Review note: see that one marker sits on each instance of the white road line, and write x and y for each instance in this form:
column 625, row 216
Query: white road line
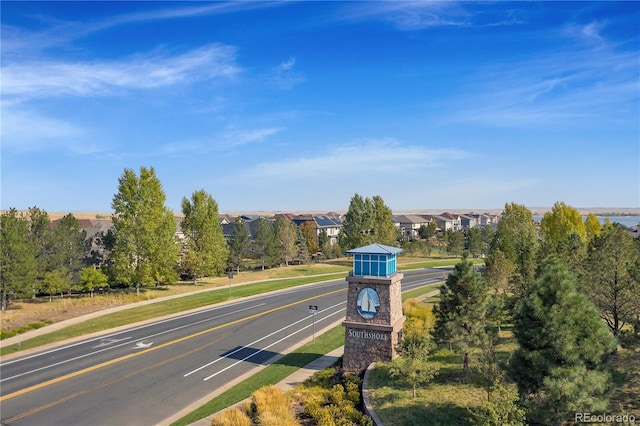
column 122, row 344
column 267, row 347
column 259, row 340
column 129, row 330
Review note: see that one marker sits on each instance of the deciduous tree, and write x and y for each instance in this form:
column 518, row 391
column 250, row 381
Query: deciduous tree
column 516, row 237
column 92, row 279
column 206, row 251
column 145, row 251
column 358, row 223
column 286, row 236
column 308, row 229
column 561, row 222
column 592, row 226
column 384, row 231
column 413, row 365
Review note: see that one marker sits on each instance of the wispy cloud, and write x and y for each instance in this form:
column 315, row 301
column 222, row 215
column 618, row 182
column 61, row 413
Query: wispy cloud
column 555, row 88
column 229, row 140
column 25, row 131
column 20, row 42
column 48, row 78
column 420, row 15
column 357, row 160
column 284, row 75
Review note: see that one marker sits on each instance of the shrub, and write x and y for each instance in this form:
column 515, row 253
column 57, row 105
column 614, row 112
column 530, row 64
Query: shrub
column 232, row 417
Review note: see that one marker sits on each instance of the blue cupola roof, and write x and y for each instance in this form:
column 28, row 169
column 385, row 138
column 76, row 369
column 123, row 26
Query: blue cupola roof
column 375, row 260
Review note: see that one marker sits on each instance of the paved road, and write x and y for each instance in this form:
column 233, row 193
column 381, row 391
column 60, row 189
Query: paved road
column 146, row 373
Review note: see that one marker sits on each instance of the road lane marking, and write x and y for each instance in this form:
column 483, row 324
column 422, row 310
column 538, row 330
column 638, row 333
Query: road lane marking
column 155, row 348
column 45, row 367
column 129, row 330
column 255, row 341
column 266, row 347
column 102, row 385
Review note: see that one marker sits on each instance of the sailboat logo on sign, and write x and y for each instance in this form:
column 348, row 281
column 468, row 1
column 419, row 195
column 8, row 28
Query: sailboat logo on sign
column 368, row 303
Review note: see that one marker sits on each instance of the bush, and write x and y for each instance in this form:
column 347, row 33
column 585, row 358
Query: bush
column 232, row 417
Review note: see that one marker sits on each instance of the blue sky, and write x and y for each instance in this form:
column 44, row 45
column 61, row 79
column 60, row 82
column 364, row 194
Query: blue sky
column 272, row 106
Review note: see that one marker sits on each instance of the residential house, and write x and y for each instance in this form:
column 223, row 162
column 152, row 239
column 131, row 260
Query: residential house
column 410, row 225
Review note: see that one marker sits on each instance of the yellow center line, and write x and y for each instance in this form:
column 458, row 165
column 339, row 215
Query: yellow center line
column 145, row 351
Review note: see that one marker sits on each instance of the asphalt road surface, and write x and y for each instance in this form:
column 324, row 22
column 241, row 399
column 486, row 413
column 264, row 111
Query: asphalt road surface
column 145, row 374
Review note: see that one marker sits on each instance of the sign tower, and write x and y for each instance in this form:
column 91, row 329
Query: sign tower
column 374, row 319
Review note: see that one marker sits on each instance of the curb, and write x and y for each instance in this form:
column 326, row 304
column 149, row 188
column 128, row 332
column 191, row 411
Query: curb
column 366, row 402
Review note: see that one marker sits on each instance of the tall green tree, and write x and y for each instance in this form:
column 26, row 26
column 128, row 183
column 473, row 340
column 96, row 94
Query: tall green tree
column 238, row 244
column 302, row 251
column 286, row 236
column 206, row 250
column 454, row 242
column 56, row 281
column 592, row 226
column 69, row 247
column 265, row 242
column 40, row 230
column 384, row 231
column 517, row 239
column 461, row 313
column 17, row 257
column 428, row 231
column 559, row 366
column 358, row 224
column 92, row 279
column 308, row 229
column 561, row 222
column 145, row 251
column 609, row 279
column 473, row 242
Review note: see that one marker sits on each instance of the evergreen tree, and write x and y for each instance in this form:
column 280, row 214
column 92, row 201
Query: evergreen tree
column 40, row 233
column 324, row 243
column 17, row 257
column 265, row 242
column 145, row 250
column 238, row 244
column 205, row 246
column 68, row 248
column 461, row 313
column 609, row 278
column 558, row 366
column 302, row 251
